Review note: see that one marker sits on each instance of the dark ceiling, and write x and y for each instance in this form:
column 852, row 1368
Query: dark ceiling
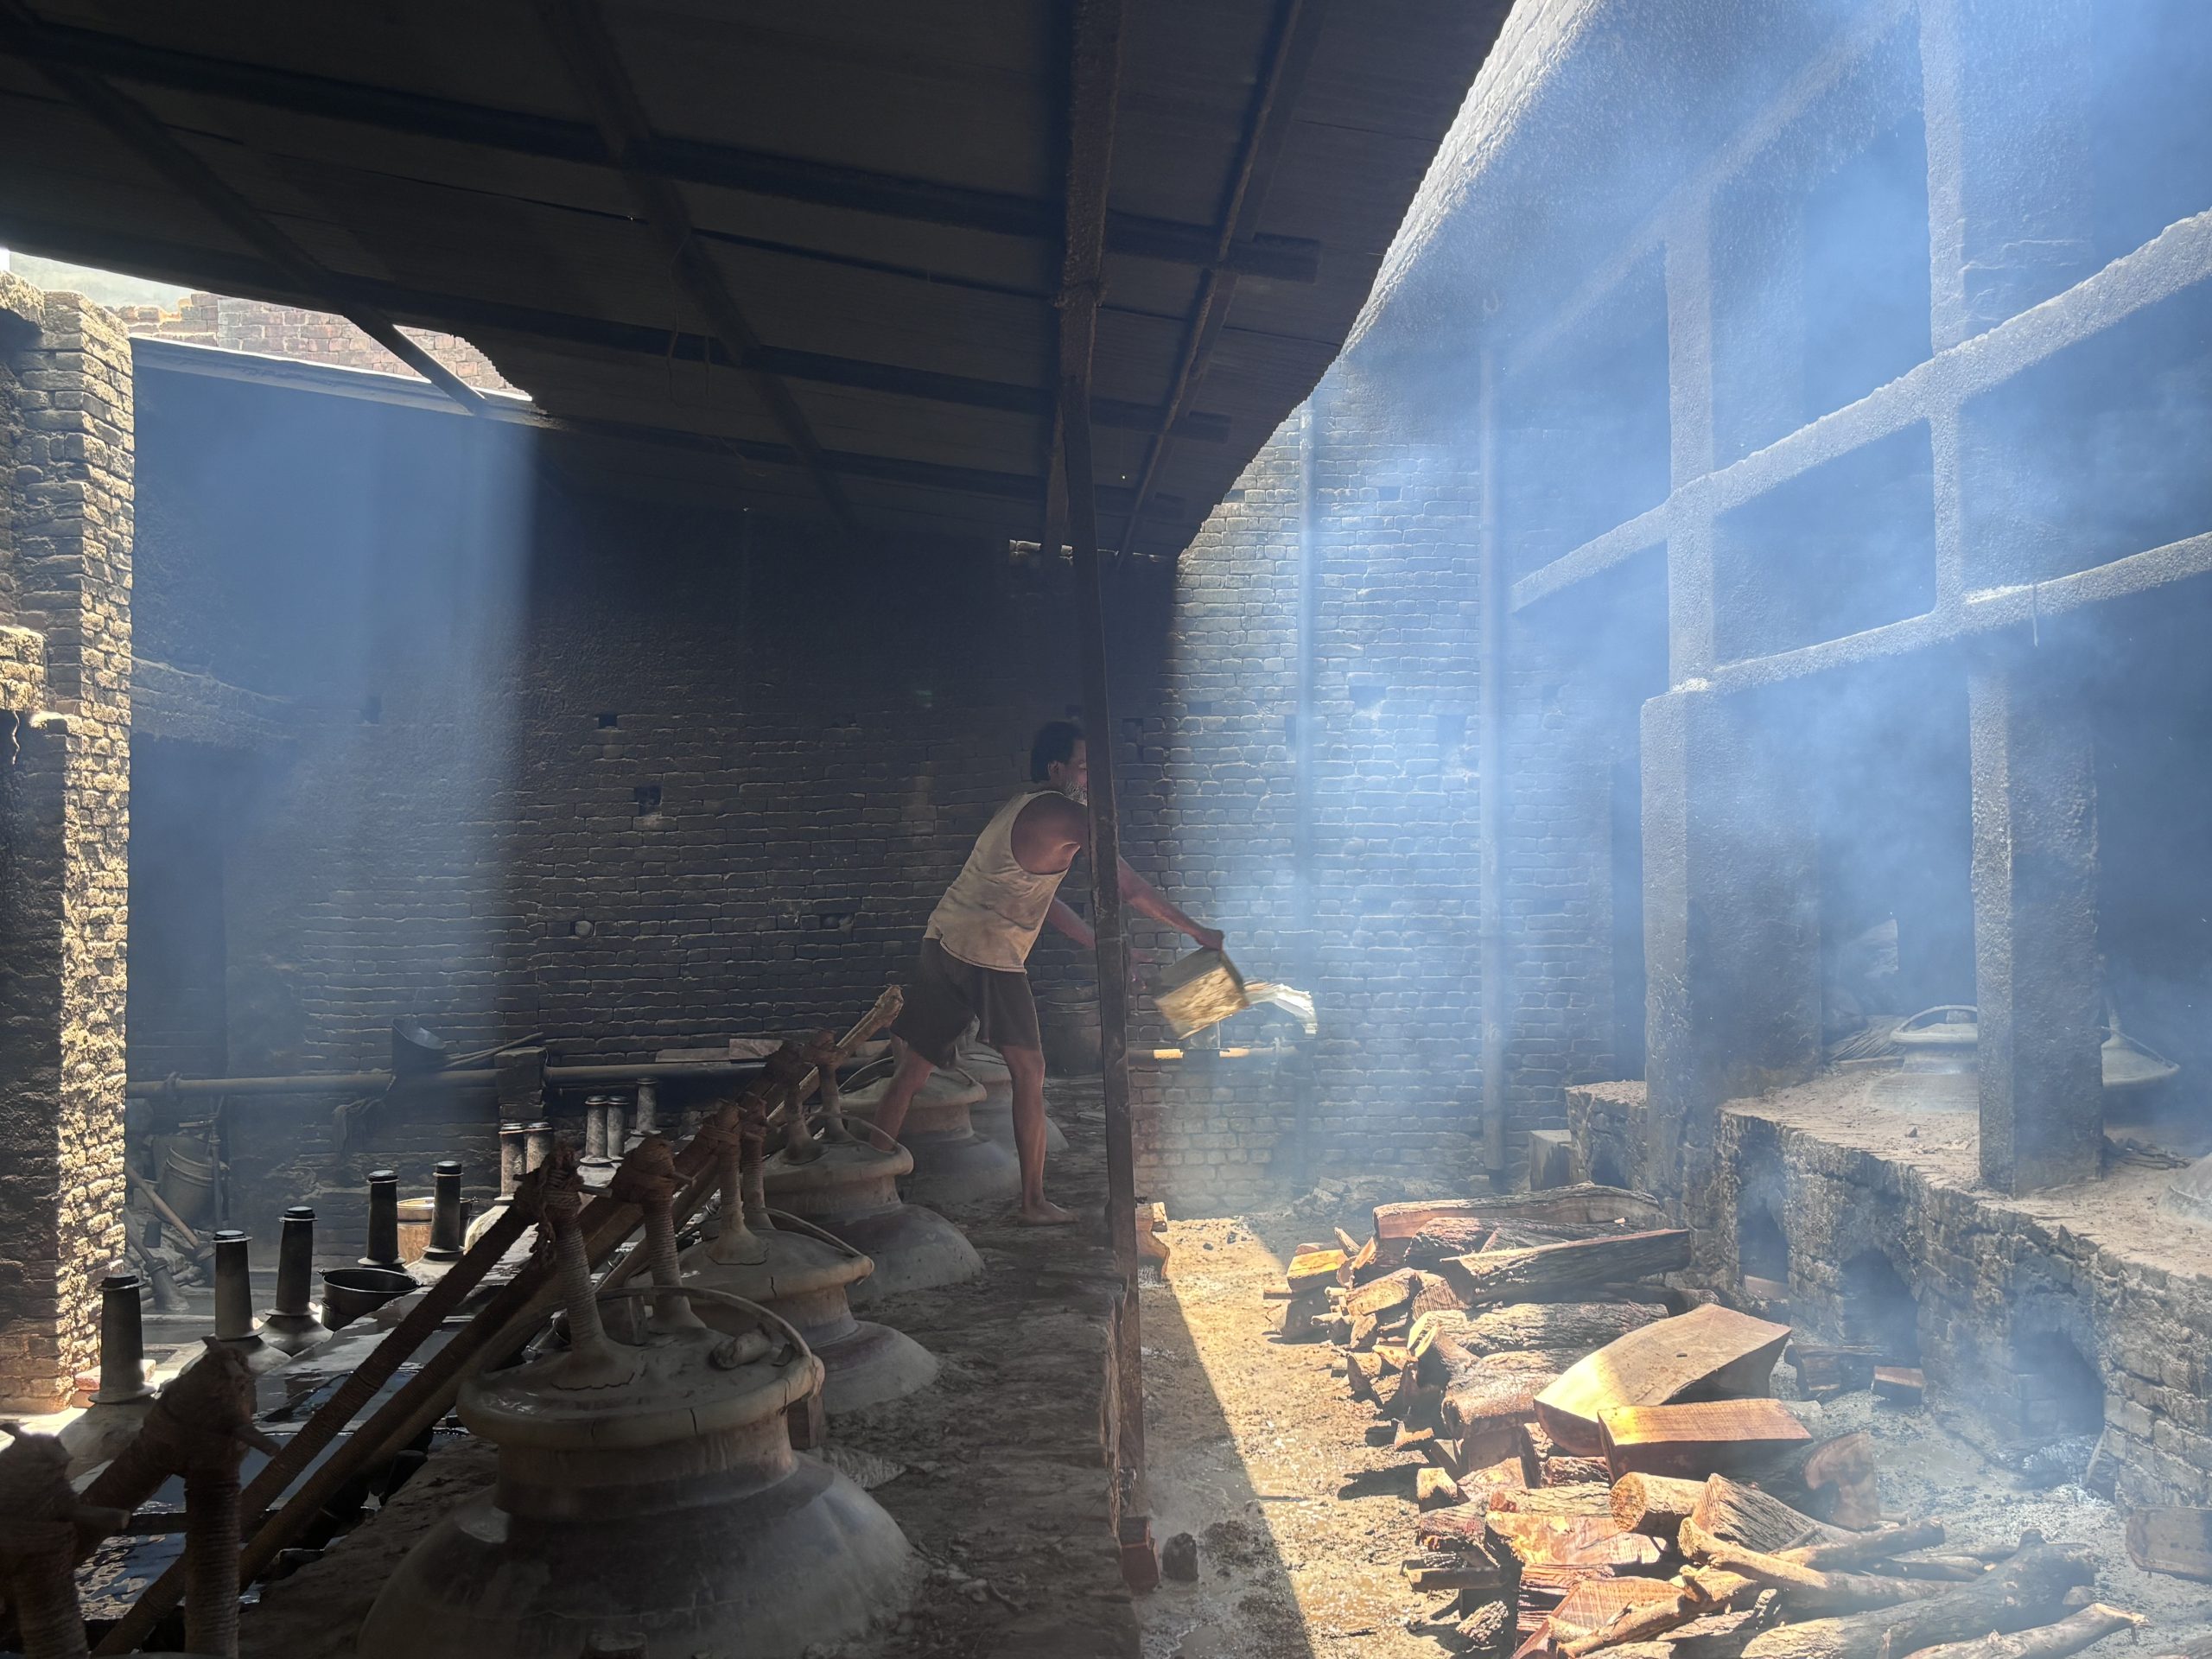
column 799, row 252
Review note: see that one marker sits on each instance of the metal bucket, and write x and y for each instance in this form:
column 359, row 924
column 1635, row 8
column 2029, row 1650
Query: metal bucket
column 415, row 1216
column 187, row 1184
column 1199, row 991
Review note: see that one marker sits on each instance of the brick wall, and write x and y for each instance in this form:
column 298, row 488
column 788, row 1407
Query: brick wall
column 66, row 830
column 633, row 777
column 307, row 336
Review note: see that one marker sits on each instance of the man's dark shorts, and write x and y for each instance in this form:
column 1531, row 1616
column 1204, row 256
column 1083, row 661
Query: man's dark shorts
column 948, row 993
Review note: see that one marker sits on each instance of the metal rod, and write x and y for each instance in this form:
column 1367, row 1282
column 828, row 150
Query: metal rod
column 1094, row 88
column 371, row 1083
column 1490, row 766
column 383, row 1220
column 449, row 1214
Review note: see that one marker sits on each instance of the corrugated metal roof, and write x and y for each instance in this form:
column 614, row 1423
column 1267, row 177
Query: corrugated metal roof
column 875, row 184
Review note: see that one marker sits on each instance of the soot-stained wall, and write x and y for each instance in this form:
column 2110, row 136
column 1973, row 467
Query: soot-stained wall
column 631, row 777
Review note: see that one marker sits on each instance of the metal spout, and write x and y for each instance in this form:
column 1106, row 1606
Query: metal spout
column 384, row 1221
column 291, row 1325
column 448, row 1213
column 122, row 1343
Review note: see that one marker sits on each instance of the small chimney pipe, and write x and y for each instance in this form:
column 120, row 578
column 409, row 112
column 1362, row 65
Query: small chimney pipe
column 122, row 1343
column 448, row 1213
column 384, row 1221
column 233, row 1286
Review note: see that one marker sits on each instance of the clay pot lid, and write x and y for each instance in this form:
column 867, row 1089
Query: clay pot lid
column 1954, row 1026
column 947, row 1087
column 676, row 1393
column 798, row 1264
column 842, row 1163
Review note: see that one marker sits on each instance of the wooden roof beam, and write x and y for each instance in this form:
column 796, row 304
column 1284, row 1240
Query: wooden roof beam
column 681, row 160
column 1266, row 125
column 136, row 128
column 580, row 37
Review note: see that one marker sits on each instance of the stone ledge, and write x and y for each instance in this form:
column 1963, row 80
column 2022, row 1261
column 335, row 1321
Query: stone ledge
column 184, row 706
column 23, row 310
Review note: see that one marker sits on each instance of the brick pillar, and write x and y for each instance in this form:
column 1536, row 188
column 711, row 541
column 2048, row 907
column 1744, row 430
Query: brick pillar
column 1731, row 933
column 65, row 814
column 2035, row 926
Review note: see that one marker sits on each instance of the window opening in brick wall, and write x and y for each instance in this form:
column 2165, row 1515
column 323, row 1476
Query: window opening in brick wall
column 2094, row 453
column 2152, row 160
column 1583, row 435
column 608, row 720
column 648, row 799
column 1820, row 258
column 1879, row 1310
column 1847, row 546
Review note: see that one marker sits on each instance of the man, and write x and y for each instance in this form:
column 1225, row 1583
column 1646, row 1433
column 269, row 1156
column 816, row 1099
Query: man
column 976, row 949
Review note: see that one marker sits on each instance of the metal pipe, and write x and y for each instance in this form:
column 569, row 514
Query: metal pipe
column 122, row 1343
column 233, row 1287
column 474, row 1076
column 538, row 1145
column 595, row 1130
column 514, row 1157
column 1303, row 953
column 448, row 1213
column 384, row 1221
column 1489, row 764
column 296, row 1261
column 646, row 1119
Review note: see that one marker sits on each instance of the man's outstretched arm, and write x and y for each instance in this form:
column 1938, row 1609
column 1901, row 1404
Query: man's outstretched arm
column 1064, row 919
column 1147, row 897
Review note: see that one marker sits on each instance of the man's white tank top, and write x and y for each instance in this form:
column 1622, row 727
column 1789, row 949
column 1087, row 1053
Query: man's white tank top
column 989, row 916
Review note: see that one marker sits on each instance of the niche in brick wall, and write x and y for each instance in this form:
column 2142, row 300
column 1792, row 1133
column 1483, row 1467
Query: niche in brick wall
column 1762, row 1247
column 2057, row 1393
column 648, row 798
column 1879, row 1310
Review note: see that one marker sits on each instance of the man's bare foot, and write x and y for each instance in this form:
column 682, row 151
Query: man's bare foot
column 1043, row 1213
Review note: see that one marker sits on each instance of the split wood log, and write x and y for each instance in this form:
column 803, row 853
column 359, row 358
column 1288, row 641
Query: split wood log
column 1361, row 1267
column 1571, row 1540
column 1471, row 1568
column 1361, row 1373
column 1576, row 1472
column 1395, row 1294
column 1392, row 1356
column 1345, row 1242
column 1601, row 1602
column 1562, row 1272
column 1592, row 1497
column 1572, row 1328
column 1884, row 1545
column 1802, row 1586
column 2023, row 1592
column 1434, row 1489
column 1471, row 1455
column 1735, row 1513
column 1710, row 1353
column 2175, row 1540
column 1643, row 1623
column 1453, row 1526
column 1654, row 1505
column 1696, row 1438
column 1842, row 1470
column 1314, row 1270
column 1485, row 1391
column 1950, row 1569
column 1586, row 1202
column 2070, row 1635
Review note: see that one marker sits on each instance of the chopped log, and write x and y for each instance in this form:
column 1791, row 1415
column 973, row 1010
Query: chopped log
column 2022, row 1593
column 1588, row 1498
column 1362, row 1372
column 1822, row 1370
column 1526, row 1235
column 1346, row 1242
column 1571, row 1540
column 1392, row 1356
column 1446, row 1236
column 1710, row 1353
column 1408, row 1438
column 2070, row 1635
column 1904, row 1385
column 1361, row 1267
column 2171, row 1541
column 1488, row 1629
column 1639, row 1624
column 1560, row 1272
column 1302, row 1317
column 1544, row 1585
column 1765, row 1290
column 1471, row 1568
column 1577, row 1472
column 1558, row 1327
column 1953, row 1569
column 1434, row 1489
column 1473, row 1455
column 1390, row 1293
column 1599, row 1602
column 1845, row 1468
column 1802, row 1586
column 1485, row 1391
column 1364, row 1329
column 1741, row 1515
column 1881, row 1545
column 1655, row 1505
column 1452, row 1526
column 1585, row 1202
column 1314, row 1270
column 1697, row 1439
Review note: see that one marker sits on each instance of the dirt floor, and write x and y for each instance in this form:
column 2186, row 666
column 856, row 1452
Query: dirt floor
column 998, row 1484
column 1255, row 1447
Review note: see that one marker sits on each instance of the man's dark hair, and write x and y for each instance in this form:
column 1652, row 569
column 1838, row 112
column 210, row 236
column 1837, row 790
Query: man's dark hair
column 1054, row 744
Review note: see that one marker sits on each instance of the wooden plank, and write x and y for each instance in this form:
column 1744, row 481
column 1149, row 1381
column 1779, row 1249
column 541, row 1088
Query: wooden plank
column 1572, row 1540
column 1696, row 1440
column 1573, row 1328
column 1560, row 1272
column 1385, row 1296
column 1904, row 1385
column 1314, row 1270
column 1586, row 1202
column 1597, row 1602
column 2174, row 1541
column 1708, row 1353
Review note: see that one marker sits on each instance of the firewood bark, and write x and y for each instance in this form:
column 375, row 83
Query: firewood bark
column 1582, row 1499
column 1576, row 1472
column 1559, row 1272
column 2070, row 1635
column 2024, row 1592
column 1735, row 1513
column 1582, row 1203
column 1877, row 1545
column 1803, row 1586
column 1655, row 1505
column 1570, row 1328
column 1483, row 1391
column 1696, row 1438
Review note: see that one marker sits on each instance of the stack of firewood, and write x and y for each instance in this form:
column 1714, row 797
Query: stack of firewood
column 1603, row 1470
